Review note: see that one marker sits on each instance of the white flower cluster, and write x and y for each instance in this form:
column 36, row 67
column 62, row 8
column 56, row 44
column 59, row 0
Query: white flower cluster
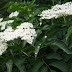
column 3, row 46
column 57, row 11
column 7, row 35
column 2, row 24
column 25, row 31
column 14, row 14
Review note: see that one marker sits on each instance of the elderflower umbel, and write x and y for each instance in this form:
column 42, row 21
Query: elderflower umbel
column 2, row 24
column 14, row 14
column 25, row 31
column 57, row 11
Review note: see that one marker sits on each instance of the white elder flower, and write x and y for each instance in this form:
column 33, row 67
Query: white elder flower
column 45, row 36
column 25, row 25
column 22, row 31
column 14, row 14
column 10, row 21
column 26, row 32
column 8, row 34
column 1, row 19
column 9, row 29
column 57, row 11
column 3, row 46
column 2, row 24
column 3, row 27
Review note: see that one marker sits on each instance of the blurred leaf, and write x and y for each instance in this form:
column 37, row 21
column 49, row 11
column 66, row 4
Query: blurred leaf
column 54, row 56
column 60, row 65
column 32, row 2
column 70, row 67
column 52, row 70
column 60, row 44
column 24, row 43
column 20, row 64
column 9, row 65
column 66, row 57
column 8, row 5
column 37, row 66
column 44, row 69
column 69, row 32
column 38, row 32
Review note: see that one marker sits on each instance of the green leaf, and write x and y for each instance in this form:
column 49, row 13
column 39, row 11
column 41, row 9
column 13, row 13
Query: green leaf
column 54, row 56
column 38, row 32
column 69, row 32
column 20, row 65
column 7, row 5
column 32, row 2
column 24, row 43
column 70, row 65
column 66, row 57
column 44, row 69
column 60, row 65
column 9, row 66
column 61, row 45
column 52, row 70
column 37, row 66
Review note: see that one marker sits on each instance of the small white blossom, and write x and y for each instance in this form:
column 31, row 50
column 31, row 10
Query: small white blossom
column 14, row 14
column 3, row 46
column 1, row 19
column 35, row 53
column 45, row 36
column 40, row 22
column 2, row 24
column 38, row 46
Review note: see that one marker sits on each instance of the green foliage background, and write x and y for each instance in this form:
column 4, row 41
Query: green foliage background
column 51, row 54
